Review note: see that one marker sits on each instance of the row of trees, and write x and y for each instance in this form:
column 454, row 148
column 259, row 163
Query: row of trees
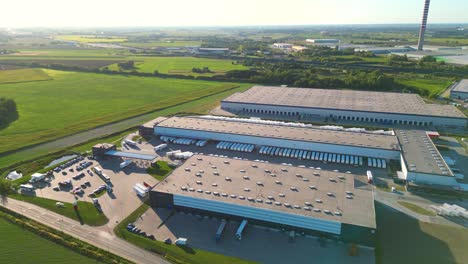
column 8, row 111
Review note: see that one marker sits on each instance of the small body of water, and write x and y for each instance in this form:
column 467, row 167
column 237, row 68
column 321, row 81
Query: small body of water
column 60, row 160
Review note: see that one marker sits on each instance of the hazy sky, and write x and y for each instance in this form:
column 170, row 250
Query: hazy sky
column 94, row 13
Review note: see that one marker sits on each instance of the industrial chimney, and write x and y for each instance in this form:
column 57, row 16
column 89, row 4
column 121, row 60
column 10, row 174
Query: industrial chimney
column 423, row 25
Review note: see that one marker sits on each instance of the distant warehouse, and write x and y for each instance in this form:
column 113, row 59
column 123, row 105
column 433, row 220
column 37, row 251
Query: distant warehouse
column 301, row 199
column 355, row 106
column 460, row 90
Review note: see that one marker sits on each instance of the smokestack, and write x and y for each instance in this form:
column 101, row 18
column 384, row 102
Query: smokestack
column 423, row 25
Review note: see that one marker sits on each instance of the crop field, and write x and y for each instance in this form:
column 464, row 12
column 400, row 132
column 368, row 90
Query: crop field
column 182, row 65
column 402, row 239
column 169, row 43
column 89, row 64
column 92, row 39
column 23, row 75
column 22, row 247
column 73, row 102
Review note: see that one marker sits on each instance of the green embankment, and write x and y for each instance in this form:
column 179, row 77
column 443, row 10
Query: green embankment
column 20, row 246
column 86, row 214
column 402, row 239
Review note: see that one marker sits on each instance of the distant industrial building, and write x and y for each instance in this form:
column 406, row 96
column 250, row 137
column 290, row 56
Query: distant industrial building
column 421, row 162
column 282, row 46
column 216, row 51
column 323, row 41
column 279, row 135
column 294, row 198
column 460, row 90
column 386, row 50
column 347, row 105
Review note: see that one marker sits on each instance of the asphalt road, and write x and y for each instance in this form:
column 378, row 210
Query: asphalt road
column 95, row 236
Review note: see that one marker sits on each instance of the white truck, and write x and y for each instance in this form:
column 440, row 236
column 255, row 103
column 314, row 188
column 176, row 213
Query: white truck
column 240, row 230
column 130, row 142
column 125, row 164
column 36, row 177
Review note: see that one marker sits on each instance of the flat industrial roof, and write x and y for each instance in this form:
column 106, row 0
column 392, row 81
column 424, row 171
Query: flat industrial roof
column 461, row 86
column 325, row 136
column 420, row 153
column 365, row 101
column 358, row 209
column 154, row 122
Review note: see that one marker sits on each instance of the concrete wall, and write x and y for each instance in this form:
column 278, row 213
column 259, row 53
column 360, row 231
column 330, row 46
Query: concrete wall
column 262, row 214
column 355, row 116
column 284, row 143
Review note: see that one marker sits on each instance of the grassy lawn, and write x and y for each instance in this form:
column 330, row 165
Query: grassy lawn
column 159, row 171
column 169, row 43
column 20, row 246
column 171, row 252
column 201, row 106
column 181, row 65
column 402, row 239
column 73, row 102
column 88, row 214
column 91, row 38
column 432, row 85
column 23, row 75
column 417, row 209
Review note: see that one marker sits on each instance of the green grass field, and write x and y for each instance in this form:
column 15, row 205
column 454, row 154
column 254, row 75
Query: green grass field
column 169, row 43
column 432, row 85
column 402, row 239
column 181, row 65
column 23, row 75
column 91, row 38
column 73, row 102
column 23, row 247
column 88, row 214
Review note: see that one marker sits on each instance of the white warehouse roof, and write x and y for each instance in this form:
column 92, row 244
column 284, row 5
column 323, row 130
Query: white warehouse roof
column 325, row 136
column 348, row 100
column 335, row 196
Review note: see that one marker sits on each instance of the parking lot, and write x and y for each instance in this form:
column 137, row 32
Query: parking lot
column 260, row 244
column 117, row 204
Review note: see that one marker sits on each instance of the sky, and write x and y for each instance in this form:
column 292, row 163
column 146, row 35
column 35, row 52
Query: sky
column 130, row 13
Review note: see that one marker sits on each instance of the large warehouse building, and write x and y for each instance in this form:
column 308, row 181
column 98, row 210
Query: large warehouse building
column 278, row 135
column 460, row 90
column 421, row 162
column 301, row 199
column 351, row 106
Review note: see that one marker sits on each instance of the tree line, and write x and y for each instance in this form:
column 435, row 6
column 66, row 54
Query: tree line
column 8, row 111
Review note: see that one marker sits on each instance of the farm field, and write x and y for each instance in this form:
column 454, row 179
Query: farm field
column 175, row 43
column 200, row 106
column 91, row 38
column 22, row 247
column 181, row 65
column 402, row 239
column 73, row 102
column 23, row 75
